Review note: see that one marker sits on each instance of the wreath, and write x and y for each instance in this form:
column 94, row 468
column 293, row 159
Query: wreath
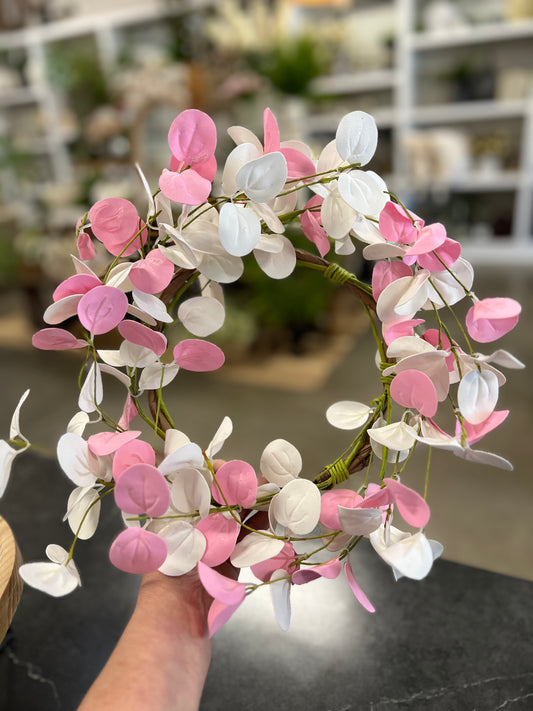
column 183, row 509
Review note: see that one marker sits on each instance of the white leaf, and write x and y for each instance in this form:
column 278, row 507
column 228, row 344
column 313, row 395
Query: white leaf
column 277, row 265
column 224, row 269
column 56, row 580
column 190, row 455
column 180, row 254
column 359, row 522
column 266, row 213
column 347, row 414
column 91, row 393
column 158, row 375
column 62, row 310
column 7, row 457
column 480, row 457
column 263, row 178
column 151, row 305
column 83, row 505
column 201, row 315
column 190, row 492
column 477, row 395
column 119, row 277
column 14, row 430
column 356, row 138
column 185, row 545
column 280, row 593
column 76, row 459
column 280, row 462
column 220, row 436
column 239, row 229
column 397, row 436
column 136, row 356
column 502, row 358
column 364, row 191
column 297, row 506
column 174, row 439
column 336, row 215
column 238, row 157
column 410, row 555
column 255, row 548
column 78, row 423
column 449, row 285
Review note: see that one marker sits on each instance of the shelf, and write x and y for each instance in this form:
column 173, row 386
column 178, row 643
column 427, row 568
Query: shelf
column 86, row 24
column 338, row 84
column 19, row 96
column 499, row 251
column 469, row 111
column 473, row 34
column 385, row 117
column 502, row 181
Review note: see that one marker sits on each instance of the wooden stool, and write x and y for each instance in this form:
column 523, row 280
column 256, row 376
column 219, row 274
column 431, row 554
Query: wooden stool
column 10, row 580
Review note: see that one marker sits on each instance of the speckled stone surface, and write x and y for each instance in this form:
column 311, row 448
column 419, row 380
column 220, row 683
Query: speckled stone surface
column 460, row 640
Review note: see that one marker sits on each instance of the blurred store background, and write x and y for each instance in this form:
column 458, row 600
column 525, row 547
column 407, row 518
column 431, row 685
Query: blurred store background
column 89, row 87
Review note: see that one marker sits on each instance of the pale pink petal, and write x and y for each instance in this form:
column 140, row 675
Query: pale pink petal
column 314, row 232
column 448, row 253
column 223, row 589
column 56, row 339
column 221, row 535
column 114, row 220
column 413, row 507
column 129, row 412
column 284, row 560
column 396, row 226
column 135, row 452
column 219, row 614
column 271, row 131
column 331, row 570
column 104, row 443
column 331, row 500
column 298, row 164
column 152, row 274
column 354, row 585
column 136, row 550
column 142, row 489
column 77, row 284
column 192, row 137
column 429, row 238
column 187, row 188
column 86, row 248
column 237, row 481
column 490, row 319
column 475, row 432
column 403, row 328
column 102, row 308
column 207, row 169
column 384, row 273
column 143, row 336
column 197, row 355
column 414, row 389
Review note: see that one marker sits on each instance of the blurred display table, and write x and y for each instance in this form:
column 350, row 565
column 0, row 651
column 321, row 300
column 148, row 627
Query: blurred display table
column 460, row 640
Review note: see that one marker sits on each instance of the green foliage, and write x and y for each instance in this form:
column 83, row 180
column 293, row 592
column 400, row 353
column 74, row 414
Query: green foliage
column 291, row 66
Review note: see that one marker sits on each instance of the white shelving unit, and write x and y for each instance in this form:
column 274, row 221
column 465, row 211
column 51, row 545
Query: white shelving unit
column 406, row 113
column 401, row 115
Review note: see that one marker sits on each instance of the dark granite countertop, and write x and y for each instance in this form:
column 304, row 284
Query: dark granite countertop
column 462, row 639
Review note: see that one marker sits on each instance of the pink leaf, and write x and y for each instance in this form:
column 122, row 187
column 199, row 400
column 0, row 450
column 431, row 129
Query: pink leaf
column 114, row 221
column 329, row 515
column 298, row 164
column 315, row 233
column 152, row 274
column 76, row 284
column 384, row 273
column 219, row 614
column 354, row 585
column 284, row 560
column 187, row 188
column 429, row 238
column 445, row 256
column 135, row 452
column 136, row 550
column 271, row 130
column 238, row 482
column 476, row 432
column 105, row 443
column 223, row 589
column 85, row 246
column 329, row 570
column 192, row 137
column 396, row 226
column 413, row 507
column 102, row 308
column 197, row 355
column 489, row 319
column 56, row 339
column 135, row 332
column 221, row 535
column 207, row 169
column 414, row 389
column 403, row 328
column 142, row 489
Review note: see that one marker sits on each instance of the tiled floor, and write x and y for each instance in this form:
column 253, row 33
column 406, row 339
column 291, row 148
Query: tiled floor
column 481, row 515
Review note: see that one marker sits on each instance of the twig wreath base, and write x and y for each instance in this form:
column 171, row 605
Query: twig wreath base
column 183, row 509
